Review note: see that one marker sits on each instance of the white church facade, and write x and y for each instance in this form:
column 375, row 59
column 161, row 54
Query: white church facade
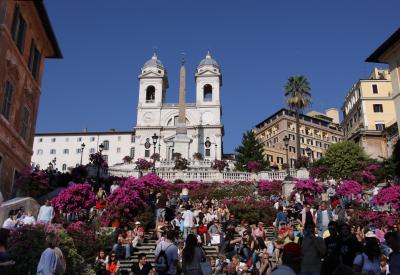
column 203, row 124
column 203, row 130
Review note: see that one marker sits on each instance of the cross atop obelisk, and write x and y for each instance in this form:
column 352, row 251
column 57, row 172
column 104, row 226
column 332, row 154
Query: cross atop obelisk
column 181, row 127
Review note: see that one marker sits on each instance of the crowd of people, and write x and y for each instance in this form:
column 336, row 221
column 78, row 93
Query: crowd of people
column 305, row 238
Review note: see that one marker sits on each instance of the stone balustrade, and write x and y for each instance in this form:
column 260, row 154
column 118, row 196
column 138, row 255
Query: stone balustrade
column 209, row 175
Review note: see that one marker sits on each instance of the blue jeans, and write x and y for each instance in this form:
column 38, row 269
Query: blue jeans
column 160, row 214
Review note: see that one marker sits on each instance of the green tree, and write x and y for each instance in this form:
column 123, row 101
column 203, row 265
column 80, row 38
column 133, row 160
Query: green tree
column 250, row 149
column 343, row 159
column 298, row 97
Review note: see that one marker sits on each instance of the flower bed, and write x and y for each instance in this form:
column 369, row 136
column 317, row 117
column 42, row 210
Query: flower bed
column 267, row 188
column 251, row 210
column 388, row 196
column 349, row 188
column 310, row 189
column 123, row 205
column 75, row 198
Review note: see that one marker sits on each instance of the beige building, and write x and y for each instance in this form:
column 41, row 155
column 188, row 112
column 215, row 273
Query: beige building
column 317, row 132
column 389, row 53
column 369, row 109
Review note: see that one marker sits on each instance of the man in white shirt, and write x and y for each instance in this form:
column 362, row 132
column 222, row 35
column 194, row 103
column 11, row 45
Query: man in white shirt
column 46, row 213
column 28, row 218
column 187, row 221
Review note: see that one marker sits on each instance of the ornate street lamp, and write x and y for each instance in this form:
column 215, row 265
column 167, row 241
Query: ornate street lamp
column 82, row 147
column 286, row 142
column 155, row 138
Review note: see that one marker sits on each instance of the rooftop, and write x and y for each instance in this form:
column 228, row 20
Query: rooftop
column 44, row 17
column 382, row 49
column 283, row 111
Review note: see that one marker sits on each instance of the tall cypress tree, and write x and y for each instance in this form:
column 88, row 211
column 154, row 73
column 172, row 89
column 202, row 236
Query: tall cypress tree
column 251, row 149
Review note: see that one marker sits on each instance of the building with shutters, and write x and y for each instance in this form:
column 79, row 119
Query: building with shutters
column 26, row 40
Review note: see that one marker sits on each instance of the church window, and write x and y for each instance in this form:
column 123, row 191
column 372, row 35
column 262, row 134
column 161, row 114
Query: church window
column 150, row 94
column 207, row 153
column 147, row 153
column 106, row 145
column 207, row 93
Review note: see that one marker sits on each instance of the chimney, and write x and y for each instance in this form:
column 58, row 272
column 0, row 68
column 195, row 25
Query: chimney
column 85, row 130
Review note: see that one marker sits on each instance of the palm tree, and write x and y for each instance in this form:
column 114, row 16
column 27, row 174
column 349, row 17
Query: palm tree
column 298, row 97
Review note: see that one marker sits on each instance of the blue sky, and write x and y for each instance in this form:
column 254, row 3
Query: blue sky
column 258, row 45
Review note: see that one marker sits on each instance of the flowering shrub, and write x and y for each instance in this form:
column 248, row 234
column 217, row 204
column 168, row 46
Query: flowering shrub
column 33, row 183
column 253, row 166
column 267, row 188
column 349, row 188
column 123, row 204
column 365, row 177
column 319, row 172
column 219, row 165
column 309, row 188
column 197, row 189
column 251, row 210
column 230, row 189
column 84, row 239
column 149, row 181
column 26, row 244
column 379, row 219
column 388, row 196
column 142, row 164
column 75, row 198
column 98, row 160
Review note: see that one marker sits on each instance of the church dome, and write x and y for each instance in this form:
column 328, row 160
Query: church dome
column 208, row 61
column 154, row 62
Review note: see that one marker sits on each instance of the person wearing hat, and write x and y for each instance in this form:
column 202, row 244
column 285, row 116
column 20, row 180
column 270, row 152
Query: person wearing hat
column 291, row 259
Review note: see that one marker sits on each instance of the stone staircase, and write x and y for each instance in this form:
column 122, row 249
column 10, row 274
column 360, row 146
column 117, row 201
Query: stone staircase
column 149, row 246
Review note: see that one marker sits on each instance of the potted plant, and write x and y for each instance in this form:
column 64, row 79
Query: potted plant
column 219, row 165
column 197, row 156
column 143, row 165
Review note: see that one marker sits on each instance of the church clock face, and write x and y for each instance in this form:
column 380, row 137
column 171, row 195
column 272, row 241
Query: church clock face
column 148, row 117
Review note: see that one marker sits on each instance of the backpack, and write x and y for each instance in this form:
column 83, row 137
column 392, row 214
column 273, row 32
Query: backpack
column 161, row 261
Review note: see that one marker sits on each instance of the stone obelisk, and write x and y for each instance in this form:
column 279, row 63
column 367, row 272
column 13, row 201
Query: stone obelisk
column 181, row 140
column 181, row 127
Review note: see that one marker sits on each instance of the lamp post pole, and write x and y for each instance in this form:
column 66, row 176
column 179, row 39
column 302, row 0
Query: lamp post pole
column 286, row 142
column 82, row 147
column 309, row 154
column 101, row 147
column 155, row 138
